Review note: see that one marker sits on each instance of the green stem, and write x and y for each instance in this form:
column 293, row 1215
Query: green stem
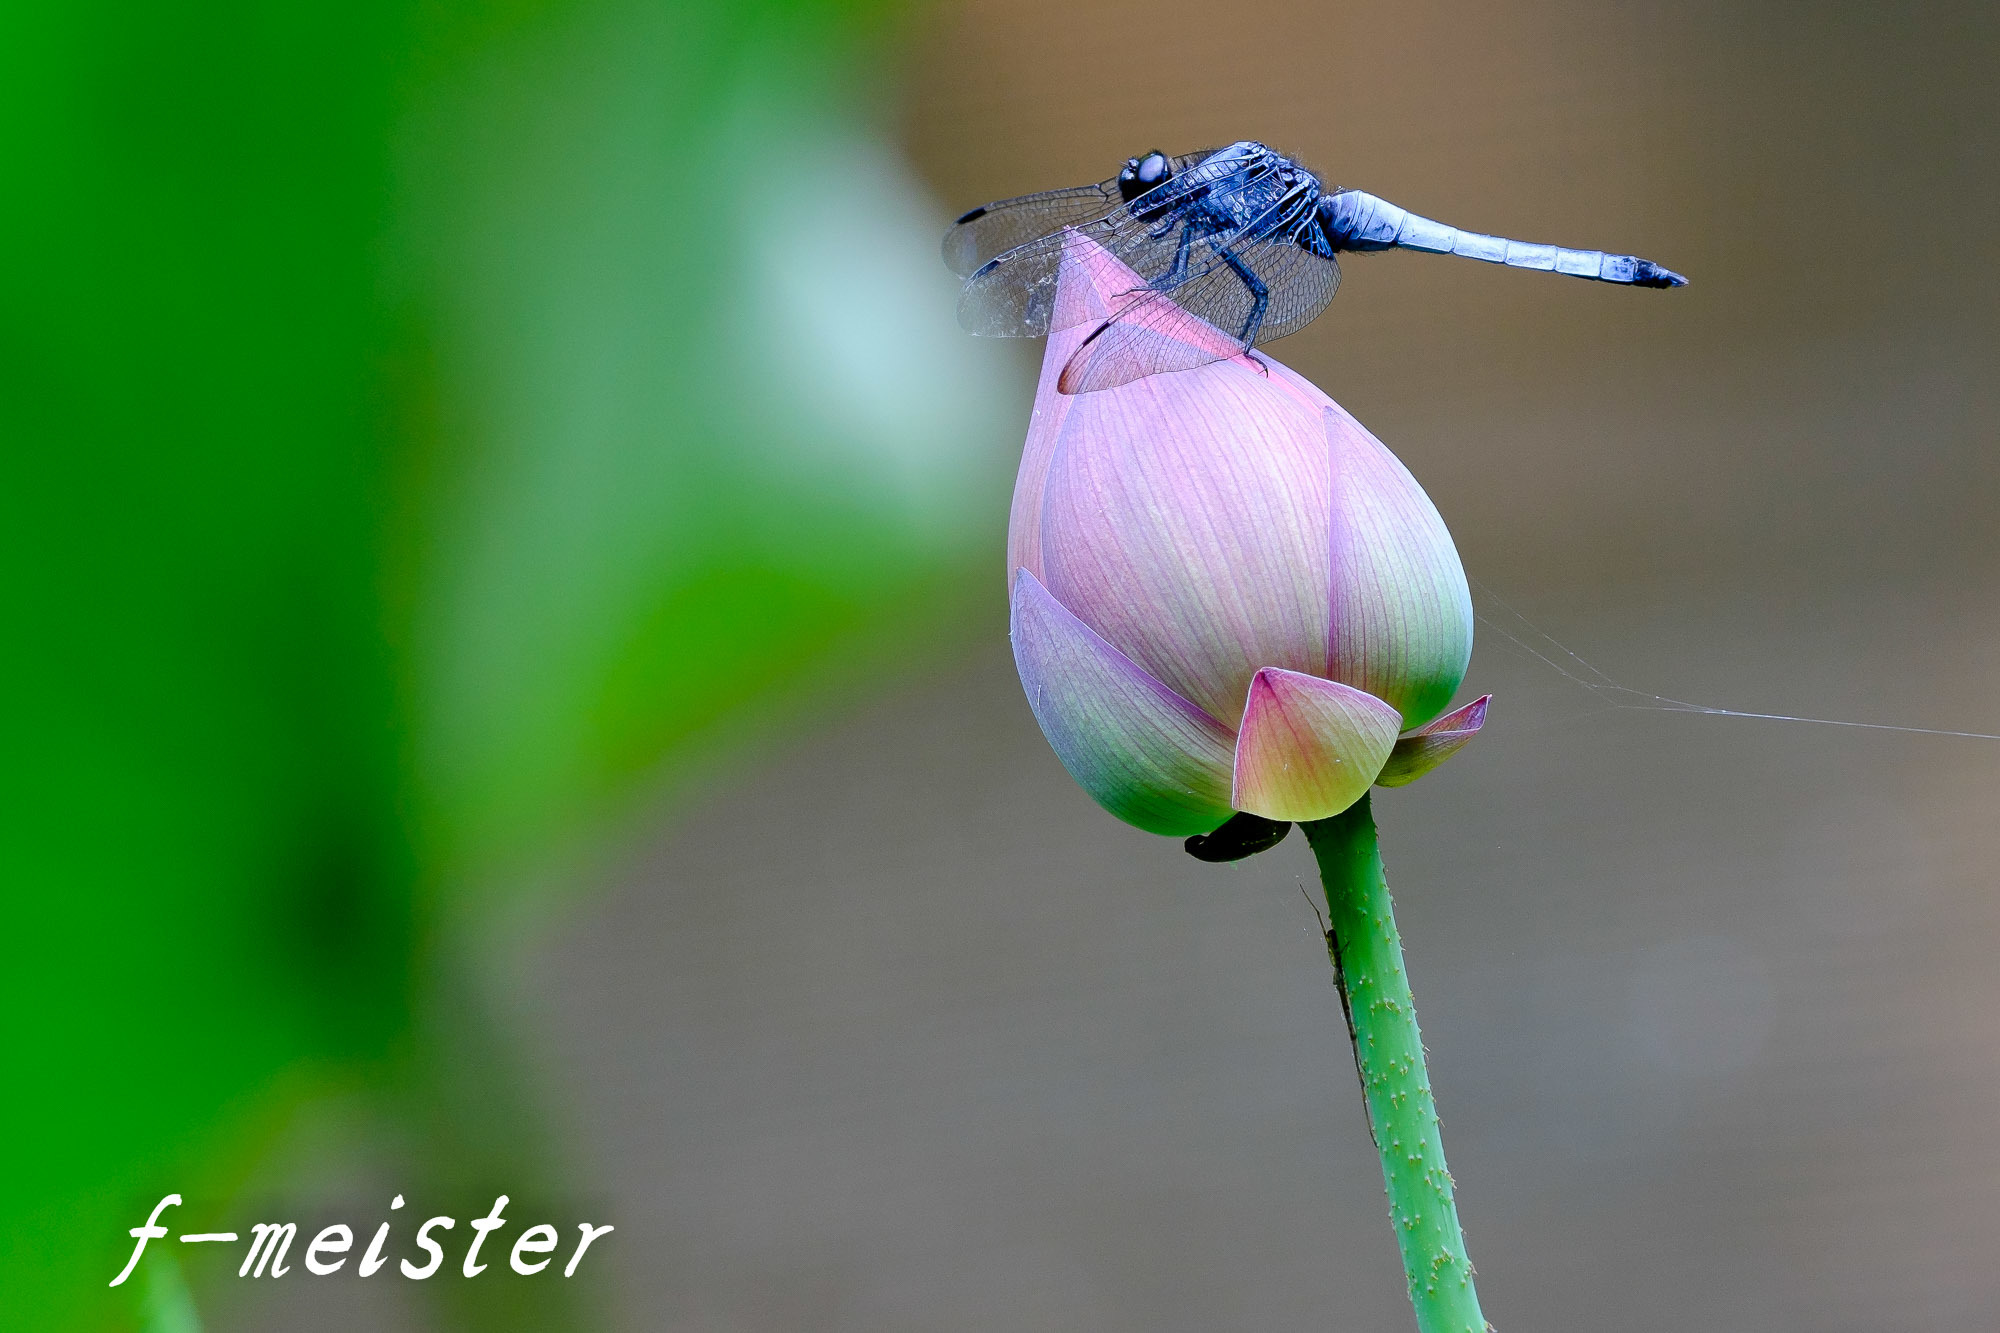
column 1389, row 1053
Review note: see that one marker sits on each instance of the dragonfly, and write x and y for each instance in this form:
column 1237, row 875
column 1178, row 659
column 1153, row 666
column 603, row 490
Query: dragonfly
column 1233, row 247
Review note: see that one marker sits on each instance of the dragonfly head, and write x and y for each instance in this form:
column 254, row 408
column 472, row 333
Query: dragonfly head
column 1143, row 173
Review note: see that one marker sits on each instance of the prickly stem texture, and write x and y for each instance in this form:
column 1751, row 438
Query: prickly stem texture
column 1389, row 1051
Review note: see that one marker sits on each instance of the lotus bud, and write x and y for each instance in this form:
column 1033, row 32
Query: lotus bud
column 1227, row 595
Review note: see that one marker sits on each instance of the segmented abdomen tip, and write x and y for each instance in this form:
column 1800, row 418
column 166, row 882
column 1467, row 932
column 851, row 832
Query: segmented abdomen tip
column 1652, row 275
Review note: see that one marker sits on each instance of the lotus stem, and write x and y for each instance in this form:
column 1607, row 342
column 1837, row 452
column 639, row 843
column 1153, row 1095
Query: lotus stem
column 1367, row 959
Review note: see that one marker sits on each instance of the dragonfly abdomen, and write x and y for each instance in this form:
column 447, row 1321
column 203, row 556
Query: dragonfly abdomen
column 1357, row 220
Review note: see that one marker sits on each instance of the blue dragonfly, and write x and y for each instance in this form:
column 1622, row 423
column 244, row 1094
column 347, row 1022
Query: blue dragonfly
column 1239, row 239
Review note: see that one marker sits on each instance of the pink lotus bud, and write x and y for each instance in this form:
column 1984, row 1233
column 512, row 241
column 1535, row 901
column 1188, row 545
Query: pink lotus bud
column 1227, row 595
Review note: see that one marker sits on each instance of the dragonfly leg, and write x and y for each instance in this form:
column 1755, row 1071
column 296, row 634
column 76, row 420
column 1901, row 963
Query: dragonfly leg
column 1178, row 273
column 1260, row 294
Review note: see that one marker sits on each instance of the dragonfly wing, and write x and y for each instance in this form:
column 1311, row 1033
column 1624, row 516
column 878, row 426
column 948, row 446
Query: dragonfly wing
column 1152, row 336
column 1238, row 292
column 1013, row 294
column 1301, row 284
column 986, row 233
column 990, row 231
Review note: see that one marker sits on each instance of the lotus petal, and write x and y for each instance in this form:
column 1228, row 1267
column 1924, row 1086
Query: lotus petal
column 1185, row 519
column 1430, row 745
column 1309, row 748
column 1142, row 751
column 1401, row 624
column 1085, row 288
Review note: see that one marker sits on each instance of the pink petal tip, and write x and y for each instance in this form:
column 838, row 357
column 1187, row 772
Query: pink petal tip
column 1308, row 747
column 1430, row 745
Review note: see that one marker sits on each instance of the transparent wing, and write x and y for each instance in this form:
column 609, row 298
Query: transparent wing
column 1300, row 288
column 1013, row 294
column 1241, row 289
column 988, row 232
column 1189, row 325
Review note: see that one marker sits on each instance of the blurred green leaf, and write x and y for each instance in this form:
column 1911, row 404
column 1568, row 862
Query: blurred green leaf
column 423, row 427
column 697, row 325
column 168, row 1308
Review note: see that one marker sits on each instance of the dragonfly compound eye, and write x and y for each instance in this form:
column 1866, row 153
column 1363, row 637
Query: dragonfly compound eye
column 1143, row 173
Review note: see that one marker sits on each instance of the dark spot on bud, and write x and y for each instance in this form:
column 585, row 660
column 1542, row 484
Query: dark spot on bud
column 1243, row 835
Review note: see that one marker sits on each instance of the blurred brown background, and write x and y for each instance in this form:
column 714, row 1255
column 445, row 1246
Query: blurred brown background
column 897, row 1031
